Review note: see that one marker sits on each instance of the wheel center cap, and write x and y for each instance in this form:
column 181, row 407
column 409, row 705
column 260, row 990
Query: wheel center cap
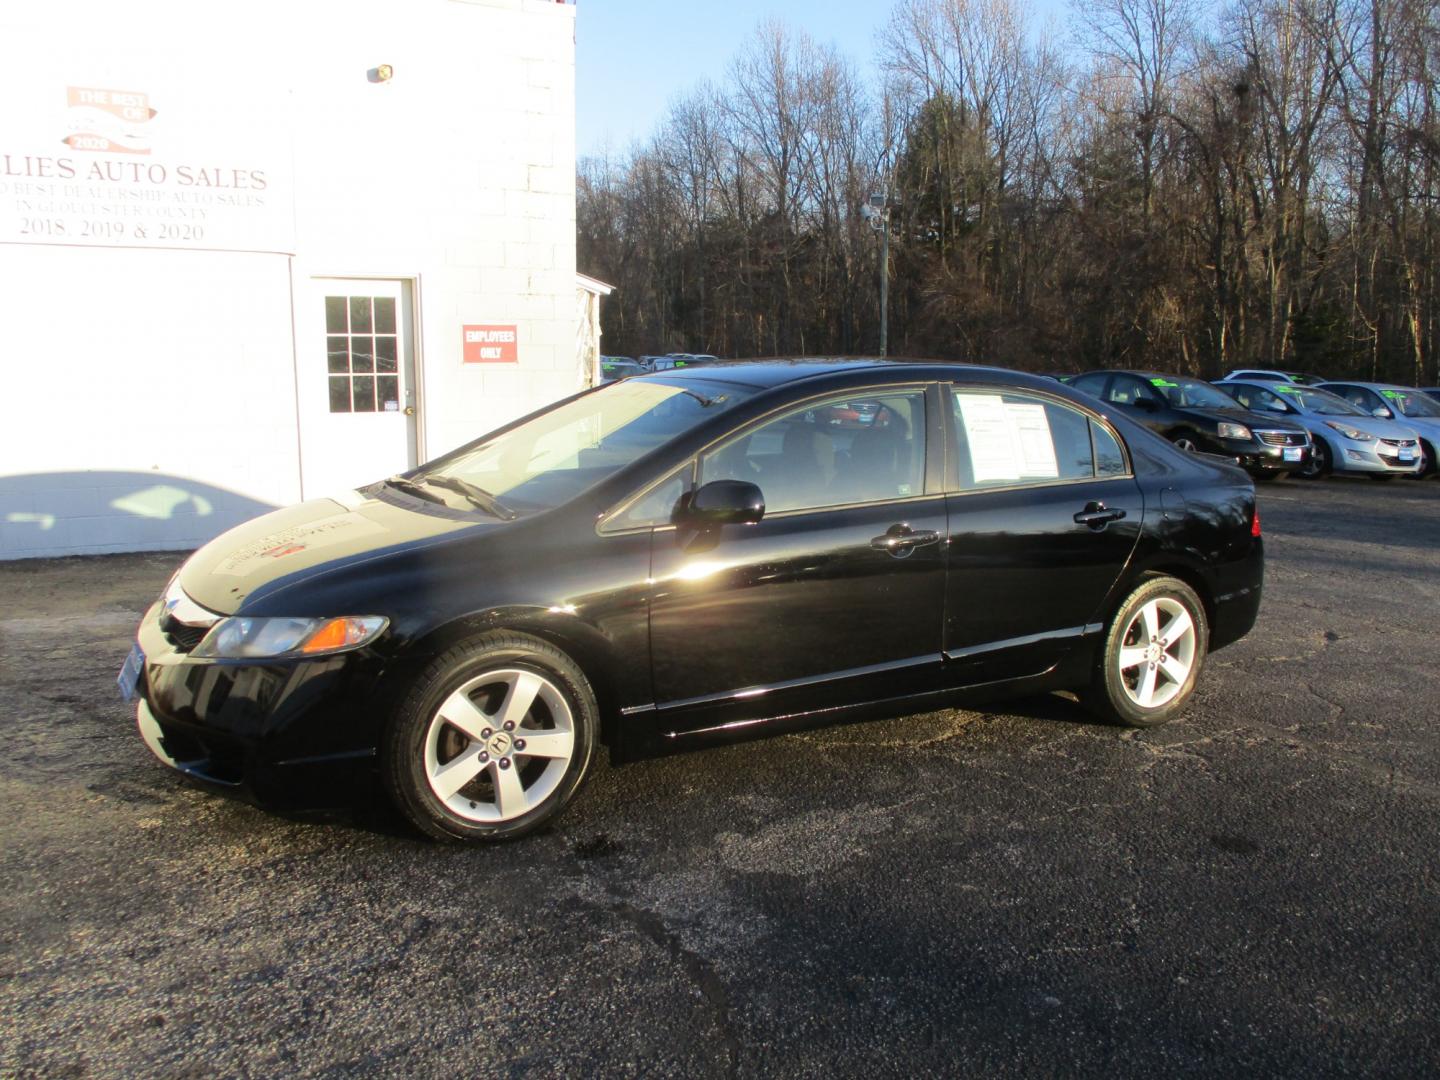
column 499, row 744
column 1152, row 652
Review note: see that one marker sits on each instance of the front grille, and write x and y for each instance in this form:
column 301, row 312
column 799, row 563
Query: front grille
column 1396, row 444
column 1282, row 438
column 183, row 637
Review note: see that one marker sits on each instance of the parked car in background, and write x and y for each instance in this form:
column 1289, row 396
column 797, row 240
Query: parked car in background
column 1304, row 378
column 686, row 559
column 1195, row 416
column 682, row 360
column 1347, row 439
column 618, row 367
column 1409, row 406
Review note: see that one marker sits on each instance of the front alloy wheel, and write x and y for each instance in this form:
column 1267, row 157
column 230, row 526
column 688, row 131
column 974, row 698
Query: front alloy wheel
column 1153, row 653
column 495, row 738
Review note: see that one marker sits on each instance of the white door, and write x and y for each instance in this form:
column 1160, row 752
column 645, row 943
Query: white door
column 356, row 383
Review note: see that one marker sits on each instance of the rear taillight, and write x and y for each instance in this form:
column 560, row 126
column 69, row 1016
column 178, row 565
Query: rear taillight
column 1255, row 522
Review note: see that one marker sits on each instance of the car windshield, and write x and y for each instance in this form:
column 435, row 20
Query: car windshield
column 1323, row 402
column 1257, row 397
column 1192, row 393
column 1412, row 402
column 570, row 448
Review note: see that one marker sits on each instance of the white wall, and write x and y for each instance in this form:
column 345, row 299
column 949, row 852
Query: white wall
column 159, row 383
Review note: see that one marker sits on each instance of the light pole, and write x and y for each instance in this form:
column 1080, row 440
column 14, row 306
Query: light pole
column 877, row 211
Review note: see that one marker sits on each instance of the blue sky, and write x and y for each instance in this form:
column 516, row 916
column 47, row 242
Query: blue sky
column 633, row 56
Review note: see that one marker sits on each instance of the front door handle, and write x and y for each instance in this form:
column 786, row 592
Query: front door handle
column 900, row 540
column 1097, row 515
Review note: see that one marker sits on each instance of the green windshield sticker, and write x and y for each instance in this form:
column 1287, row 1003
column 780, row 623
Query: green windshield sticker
column 1287, row 389
column 1163, row 382
column 1393, row 395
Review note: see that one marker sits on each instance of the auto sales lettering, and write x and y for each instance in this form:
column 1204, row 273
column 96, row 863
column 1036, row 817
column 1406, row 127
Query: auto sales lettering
column 115, row 187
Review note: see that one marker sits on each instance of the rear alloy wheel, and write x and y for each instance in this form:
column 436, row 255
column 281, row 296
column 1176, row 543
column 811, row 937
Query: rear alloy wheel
column 493, row 741
column 1154, row 650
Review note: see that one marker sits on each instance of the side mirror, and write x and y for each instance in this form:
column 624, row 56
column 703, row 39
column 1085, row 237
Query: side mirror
column 1382, row 412
column 725, row 502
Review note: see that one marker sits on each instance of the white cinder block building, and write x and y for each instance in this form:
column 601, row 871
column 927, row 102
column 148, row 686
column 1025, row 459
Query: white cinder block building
column 257, row 254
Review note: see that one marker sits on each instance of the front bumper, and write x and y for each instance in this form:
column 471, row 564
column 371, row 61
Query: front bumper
column 1257, row 454
column 294, row 734
column 1377, row 457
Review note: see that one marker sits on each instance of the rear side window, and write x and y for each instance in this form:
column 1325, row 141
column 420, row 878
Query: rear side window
column 1015, row 439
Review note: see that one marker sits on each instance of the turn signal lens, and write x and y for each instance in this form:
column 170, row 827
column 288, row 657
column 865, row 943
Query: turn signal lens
column 341, row 634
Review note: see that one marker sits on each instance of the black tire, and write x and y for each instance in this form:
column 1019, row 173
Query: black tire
column 1431, row 465
column 564, row 702
column 1110, row 695
column 1319, row 464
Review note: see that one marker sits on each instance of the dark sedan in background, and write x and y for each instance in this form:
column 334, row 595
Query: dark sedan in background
column 681, row 559
column 1195, row 416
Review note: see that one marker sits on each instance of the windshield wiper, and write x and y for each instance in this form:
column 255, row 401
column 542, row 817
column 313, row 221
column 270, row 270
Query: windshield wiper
column 477, row 495
column 701, row 398
column 410, row 487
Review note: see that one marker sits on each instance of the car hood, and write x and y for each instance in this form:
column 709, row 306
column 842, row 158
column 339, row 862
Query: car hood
column 1371, row 425
column 304, row 537
column 1250, row 419
column 1429, row 426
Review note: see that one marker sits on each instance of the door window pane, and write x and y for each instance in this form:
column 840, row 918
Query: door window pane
column 387, row 389
column 335, row 315
column 360, row 315
column 386, row 357
column 339, row 349
column 855, row 449
column 363, row 393
column 362, row 354
column 384, row 315
column 1012, row 439
column 339, row 393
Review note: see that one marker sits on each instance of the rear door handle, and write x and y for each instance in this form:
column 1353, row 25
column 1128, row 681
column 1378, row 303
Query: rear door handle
column 900, row 540
column 1097, row 515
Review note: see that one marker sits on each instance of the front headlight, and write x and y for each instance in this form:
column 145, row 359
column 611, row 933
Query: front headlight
column 1232, row 431
column 244, row 638
column 1350, row 432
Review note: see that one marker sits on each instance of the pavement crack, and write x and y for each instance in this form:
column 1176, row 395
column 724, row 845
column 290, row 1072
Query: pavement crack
column 699, row 970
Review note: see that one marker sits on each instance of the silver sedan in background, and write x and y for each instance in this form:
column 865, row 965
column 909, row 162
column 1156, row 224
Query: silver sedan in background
column 1347, row 438
column 1405, row 404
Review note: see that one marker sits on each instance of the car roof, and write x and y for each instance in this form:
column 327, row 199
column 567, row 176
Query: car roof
column 1138, row 373
column 763, row 374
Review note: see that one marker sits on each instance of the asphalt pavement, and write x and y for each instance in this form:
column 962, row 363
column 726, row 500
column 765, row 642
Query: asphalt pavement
column 1251, row 890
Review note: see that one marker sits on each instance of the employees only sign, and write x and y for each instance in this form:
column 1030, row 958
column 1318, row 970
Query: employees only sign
column 490, row 345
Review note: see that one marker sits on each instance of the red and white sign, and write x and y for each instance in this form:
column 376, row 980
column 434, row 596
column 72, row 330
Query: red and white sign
column 490, row 345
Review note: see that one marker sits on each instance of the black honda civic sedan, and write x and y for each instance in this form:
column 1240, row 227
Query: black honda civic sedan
column 688, row 558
